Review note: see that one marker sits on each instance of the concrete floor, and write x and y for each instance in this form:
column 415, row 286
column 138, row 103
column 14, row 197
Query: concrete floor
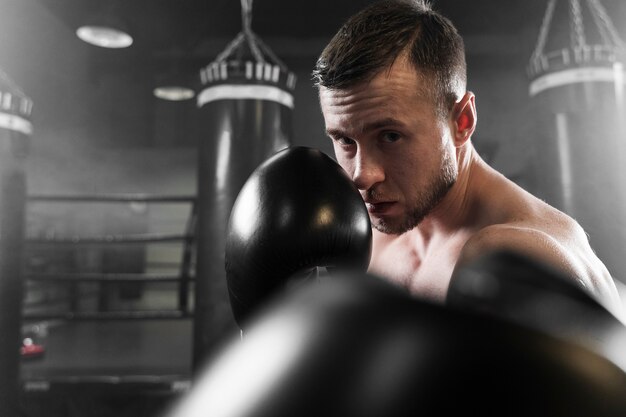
column 120, row 368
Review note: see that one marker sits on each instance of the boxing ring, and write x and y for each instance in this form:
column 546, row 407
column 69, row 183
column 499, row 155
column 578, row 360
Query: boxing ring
column 95, row 341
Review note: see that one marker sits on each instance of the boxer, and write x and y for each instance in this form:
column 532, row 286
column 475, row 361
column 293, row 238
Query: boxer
column 392, row 88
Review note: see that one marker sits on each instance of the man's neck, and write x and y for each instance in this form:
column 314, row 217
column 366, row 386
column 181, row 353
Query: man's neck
column 456, row 209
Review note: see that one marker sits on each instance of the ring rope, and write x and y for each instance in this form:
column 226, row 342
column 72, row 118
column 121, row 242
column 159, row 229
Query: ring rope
column 112, row 239
column 108, row 277
column 111, row 315
column 113, row 198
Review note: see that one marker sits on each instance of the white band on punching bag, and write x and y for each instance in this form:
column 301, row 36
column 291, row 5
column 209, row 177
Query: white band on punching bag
column 16, row 123
column 572, row 76
column 240, row 92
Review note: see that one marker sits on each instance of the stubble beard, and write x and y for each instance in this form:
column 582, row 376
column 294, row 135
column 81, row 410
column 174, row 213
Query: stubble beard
column 426, row 202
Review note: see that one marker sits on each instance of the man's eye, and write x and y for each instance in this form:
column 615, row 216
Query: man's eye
column 390, row 137
column 344, row 141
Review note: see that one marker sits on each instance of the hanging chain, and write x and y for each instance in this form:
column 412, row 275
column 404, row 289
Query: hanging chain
column 11, row 84
column 605, row 25
column 577, row 33
column 232, row 46
column 246, row 15
column 606, row 29
column 605, row 36
column 258, row 49
column 543, row 32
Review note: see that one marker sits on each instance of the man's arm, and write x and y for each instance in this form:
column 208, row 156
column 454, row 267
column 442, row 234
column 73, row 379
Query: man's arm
column 574, row 258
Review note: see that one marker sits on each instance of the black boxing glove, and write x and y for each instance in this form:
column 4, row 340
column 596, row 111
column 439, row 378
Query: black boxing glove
column 361, row 347
column 520, row 289
column 297, row 211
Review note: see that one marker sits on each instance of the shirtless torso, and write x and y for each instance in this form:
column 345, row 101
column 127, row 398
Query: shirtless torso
column 423, row 259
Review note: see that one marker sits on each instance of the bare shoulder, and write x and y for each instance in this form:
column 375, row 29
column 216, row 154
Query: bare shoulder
column 523, row 238
column 560, row 242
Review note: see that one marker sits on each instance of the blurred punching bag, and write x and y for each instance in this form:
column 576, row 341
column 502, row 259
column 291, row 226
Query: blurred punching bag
column 245, row 109
column 15, row 131
column 577, row 90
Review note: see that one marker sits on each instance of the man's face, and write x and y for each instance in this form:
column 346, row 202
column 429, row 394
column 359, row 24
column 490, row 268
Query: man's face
column 387, row 136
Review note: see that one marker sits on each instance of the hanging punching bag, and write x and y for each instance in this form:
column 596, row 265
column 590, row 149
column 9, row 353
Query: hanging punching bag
column 15, row 130
column 577, row 90
column 245, row 109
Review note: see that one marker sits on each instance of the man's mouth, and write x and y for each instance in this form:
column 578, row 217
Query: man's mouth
column 379, row 207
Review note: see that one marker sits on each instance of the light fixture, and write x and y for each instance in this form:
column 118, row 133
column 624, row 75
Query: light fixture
column 173, row 93
column 104, row 36
column 172, row 80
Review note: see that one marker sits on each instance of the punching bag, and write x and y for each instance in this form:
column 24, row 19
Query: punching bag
column 245, row 107
column 577, row 92
column 15, row 131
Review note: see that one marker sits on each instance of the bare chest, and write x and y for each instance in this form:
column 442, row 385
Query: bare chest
column 424, row 271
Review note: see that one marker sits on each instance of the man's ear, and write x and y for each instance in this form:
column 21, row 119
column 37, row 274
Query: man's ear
column 464, row 119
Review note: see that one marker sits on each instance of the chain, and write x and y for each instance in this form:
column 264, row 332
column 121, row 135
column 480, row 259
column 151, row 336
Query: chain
column 11, row 84
column 577, row 33
column 246, row 15
column 605, row 25
column 543, row 32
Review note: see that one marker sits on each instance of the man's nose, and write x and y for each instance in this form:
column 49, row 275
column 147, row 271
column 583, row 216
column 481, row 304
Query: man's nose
column 367, row 172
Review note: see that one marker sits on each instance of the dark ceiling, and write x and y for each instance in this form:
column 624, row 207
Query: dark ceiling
column 101, row 96
column 169, row 27
column 189, row 33
column 186, row 34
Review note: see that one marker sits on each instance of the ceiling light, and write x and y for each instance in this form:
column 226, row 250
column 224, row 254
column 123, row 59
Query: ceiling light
column 105, row 37
column 174, row 93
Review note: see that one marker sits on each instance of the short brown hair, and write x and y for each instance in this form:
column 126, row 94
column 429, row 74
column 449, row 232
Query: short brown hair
column 372, row 39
